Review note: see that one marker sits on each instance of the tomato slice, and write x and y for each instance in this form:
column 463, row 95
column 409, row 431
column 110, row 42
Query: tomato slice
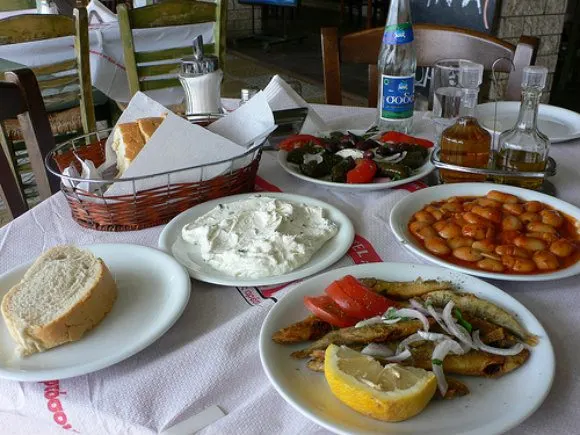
column 363, row 172
column 326, row 309
column 395, row 136
column 351, row 306
column 372, row 303
column 298, row 141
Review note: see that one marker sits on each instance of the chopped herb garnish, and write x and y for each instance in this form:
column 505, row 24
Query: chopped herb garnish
column 437, row 362
column 462, row 321
column 221, row 206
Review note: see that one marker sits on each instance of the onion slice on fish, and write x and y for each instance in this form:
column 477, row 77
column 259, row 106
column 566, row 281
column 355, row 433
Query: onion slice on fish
column 439, row 354
column 457, row 330
column 371, row 321
column 415, row 314
column 418, row 306
column 433, row 336
column 514, row 350
column 433, row 313
column 399, row 357
column 407, row 341
column 378, row 350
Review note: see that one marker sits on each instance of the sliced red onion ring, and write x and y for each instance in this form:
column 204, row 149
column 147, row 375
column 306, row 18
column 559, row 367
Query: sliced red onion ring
column 418, row 306
column 378, row 350
column 514, row 350
column 371, row 321
column 408, row 312
column 433, row 336
column 457, row 330
column 433, row 313
column 400, row 356
column 439, row 354
column 407, row 341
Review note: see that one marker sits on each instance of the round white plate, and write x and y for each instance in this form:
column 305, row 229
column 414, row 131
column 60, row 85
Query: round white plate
column 294, row 170
column 493, row 406
column 409, row 205
column 153, row 290
column 189, row 256
column 559, row 124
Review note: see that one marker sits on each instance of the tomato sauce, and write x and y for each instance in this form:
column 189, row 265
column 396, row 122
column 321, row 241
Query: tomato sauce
column 569, row 230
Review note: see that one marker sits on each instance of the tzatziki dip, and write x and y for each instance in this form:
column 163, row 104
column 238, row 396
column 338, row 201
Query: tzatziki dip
column 259, row 236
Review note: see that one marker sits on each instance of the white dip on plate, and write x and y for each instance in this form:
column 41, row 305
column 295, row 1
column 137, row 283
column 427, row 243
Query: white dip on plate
column 259, row 236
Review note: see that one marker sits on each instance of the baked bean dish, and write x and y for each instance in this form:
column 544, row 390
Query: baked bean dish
column 498, row 233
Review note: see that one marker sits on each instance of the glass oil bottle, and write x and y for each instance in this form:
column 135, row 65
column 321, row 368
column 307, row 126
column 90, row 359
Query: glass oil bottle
column 466, row 143
column 524, row 148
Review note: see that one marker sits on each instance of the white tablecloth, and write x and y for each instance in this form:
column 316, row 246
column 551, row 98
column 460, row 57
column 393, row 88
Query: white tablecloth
column 106, row 55
column 148, row 393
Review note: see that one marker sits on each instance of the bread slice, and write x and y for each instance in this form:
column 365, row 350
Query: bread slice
column 64, row 294
column 147, row 126
column 130, row 138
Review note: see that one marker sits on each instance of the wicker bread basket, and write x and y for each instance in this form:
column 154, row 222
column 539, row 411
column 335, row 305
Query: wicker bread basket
column 93, row 208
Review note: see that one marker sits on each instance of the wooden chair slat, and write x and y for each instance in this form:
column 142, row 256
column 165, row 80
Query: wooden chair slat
column 66, row 65
column 84, row 69
column 34, row 27
column 59, row 82
column 154, row 70
column 172, row 13
column 432, row 43
column 170, row 53
column 150, row 85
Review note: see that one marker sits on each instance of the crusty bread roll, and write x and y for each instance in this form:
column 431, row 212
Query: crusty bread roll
column 64, row 294
column 129, row 138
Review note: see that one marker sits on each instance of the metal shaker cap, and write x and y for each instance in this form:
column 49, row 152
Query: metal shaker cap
column 198, row 64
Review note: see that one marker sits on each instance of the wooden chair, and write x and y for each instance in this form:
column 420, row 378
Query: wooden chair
column 74, row 72
column 21, row 97
column 432, row 43
column 16, row 5
column 168, row 13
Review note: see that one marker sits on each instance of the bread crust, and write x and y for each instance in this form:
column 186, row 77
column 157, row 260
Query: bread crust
column 131, row 136
column 70, row 326
column 147, row 126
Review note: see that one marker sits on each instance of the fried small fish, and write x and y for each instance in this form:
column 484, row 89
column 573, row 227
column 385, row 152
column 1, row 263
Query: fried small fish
column 316, row 365
column 311, row 328
column 455, row 389
column 486, row 310
column 473, row 363
column 405, row 290
column 366, row 334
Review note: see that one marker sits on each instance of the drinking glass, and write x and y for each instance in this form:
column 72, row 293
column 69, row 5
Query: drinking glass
column 446, row 93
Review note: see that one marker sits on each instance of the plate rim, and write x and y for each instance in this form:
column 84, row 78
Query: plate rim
column 263, row 339
column 91, row 367
column 409, row 243
column 347, row 228
column 549, row 107
column 423, row 171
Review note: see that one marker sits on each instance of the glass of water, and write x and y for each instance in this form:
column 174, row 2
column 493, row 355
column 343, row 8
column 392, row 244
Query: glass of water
column 446, row 93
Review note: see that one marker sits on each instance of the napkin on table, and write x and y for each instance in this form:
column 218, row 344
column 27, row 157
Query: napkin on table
column 102, row 14
column 280, row 96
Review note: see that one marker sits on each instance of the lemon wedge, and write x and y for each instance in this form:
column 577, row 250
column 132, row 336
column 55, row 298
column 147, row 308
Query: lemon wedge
column 389, row 393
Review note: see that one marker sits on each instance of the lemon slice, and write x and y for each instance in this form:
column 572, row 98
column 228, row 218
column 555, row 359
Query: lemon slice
column 389, row 393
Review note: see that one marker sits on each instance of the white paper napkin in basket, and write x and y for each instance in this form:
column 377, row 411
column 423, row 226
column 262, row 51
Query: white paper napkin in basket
column 281, row 96
column 99, row 13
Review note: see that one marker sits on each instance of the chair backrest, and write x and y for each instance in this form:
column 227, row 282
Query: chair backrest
column 432, row 43
column 20, row 96
column 73, row 73
column 15, row 5
column 167, row 13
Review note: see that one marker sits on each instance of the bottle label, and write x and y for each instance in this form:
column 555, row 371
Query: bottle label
column 396, row 34
column 397, row 96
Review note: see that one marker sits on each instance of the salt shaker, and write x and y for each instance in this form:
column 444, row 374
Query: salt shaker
column 201, row 78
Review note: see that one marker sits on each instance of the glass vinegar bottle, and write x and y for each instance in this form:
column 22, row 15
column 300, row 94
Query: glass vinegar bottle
column 524, row 148
column 466, row 143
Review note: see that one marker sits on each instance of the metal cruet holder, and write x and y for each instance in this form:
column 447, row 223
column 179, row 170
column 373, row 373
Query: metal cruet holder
column 550, row 170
